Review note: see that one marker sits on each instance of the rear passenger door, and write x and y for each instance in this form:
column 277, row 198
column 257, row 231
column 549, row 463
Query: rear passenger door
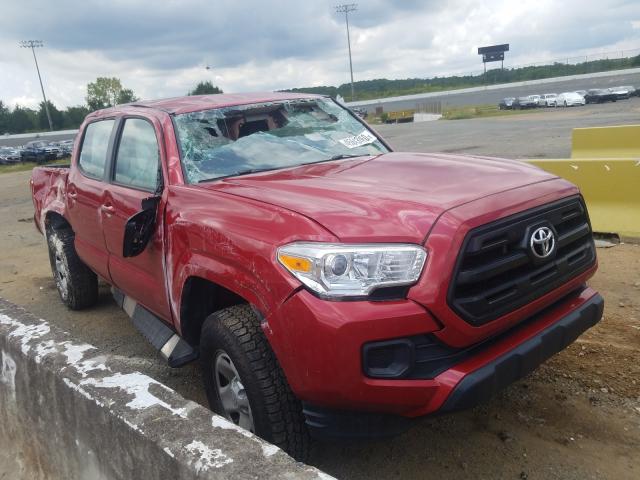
column 85, row 192
column 136, row 174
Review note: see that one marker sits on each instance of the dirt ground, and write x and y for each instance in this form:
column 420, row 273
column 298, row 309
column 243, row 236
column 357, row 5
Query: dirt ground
column 576, row 417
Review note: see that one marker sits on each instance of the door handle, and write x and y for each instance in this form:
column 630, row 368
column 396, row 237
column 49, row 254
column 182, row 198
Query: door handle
column 108, row 209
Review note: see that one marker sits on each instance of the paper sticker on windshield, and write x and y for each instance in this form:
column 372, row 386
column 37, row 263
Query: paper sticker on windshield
column 359, row 140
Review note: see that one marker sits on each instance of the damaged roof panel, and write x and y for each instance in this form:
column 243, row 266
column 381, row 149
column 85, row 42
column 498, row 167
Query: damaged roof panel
column 195, row 103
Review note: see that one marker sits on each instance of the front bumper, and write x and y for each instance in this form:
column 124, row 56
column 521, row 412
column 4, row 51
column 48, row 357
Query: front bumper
column 319, row 345
column 479, row 385
column 476, row 379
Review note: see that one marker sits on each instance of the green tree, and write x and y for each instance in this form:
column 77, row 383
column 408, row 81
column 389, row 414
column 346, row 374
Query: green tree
column 56, row 117
column 5, row 118
column 126, row 95
column 74, row 116
column 23, row 120
column 107, row 92
column 205, row 88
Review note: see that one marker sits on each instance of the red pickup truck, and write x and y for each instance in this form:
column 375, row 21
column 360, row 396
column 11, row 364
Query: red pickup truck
column 327, row 284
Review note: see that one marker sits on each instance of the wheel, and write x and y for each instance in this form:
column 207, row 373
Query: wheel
column 76, row 283
column 244, row 382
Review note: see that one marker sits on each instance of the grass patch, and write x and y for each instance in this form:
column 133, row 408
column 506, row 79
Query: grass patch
column 27, row 166
column 478, row 111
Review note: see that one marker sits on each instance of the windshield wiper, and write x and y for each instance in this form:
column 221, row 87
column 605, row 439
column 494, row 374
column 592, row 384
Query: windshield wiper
column 335, row 157
column 342, row 156
column 239, row 173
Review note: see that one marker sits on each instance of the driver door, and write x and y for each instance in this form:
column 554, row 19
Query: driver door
column 136, row 174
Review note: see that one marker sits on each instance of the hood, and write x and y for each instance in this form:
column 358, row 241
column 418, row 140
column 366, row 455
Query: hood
column 395, row 197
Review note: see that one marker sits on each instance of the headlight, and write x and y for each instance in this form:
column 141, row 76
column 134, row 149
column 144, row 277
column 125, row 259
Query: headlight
column 341, row 270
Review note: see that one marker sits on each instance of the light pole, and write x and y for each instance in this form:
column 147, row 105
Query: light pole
column 33, row 44
column 347, row 8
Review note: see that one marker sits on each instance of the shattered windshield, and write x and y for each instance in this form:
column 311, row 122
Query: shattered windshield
column 248, row 138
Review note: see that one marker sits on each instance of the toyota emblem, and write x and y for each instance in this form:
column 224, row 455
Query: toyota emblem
column 542, row 242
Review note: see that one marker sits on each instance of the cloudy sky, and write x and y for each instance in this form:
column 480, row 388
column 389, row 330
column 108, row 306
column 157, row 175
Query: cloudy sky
column 160, row 48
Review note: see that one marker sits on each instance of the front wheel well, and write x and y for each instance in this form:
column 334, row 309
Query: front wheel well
column 200, row 298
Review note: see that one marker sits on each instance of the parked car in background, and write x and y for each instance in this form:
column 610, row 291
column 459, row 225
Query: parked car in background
column 58, row 147
column 633, row 91
column 524, row 102
column 548, row 100
column 581, row 92
column 599, row 95
column 506, row 103
column 9, row 156
column 537, row 99
column 39, row 151
column 67, row 147
column 570, row 99
column 621, row 93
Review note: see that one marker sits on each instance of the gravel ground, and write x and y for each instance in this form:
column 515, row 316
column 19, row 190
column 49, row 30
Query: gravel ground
column 576, row 417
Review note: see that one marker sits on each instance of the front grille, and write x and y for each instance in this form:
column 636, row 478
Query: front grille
column 496, row 271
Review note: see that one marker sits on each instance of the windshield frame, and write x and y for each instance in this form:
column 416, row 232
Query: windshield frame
column 178, row 140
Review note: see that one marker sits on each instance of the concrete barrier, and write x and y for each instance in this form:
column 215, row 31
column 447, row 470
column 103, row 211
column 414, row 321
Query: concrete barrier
column 68, row 411
column 621, row 141
column 610, row 187
column 605, row 164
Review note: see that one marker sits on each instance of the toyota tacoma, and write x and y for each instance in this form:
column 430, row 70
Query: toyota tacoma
column 326, row 284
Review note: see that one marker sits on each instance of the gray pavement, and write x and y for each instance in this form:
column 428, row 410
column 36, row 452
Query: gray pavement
column 493, row 96
column 544, row 133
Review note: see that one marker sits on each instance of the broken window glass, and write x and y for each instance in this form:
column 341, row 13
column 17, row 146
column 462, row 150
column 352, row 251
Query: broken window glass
column 247, row 138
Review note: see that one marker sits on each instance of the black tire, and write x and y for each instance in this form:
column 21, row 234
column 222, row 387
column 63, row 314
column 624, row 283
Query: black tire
column 276, row 412
column 76, row 283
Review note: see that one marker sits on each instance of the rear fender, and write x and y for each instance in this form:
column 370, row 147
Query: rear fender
column 48, row 189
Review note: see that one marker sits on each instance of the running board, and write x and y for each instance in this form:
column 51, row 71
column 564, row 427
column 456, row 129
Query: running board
column 173, row 349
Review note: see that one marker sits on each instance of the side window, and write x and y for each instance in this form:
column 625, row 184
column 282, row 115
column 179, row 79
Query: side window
column 93, row 155
column 138, row 159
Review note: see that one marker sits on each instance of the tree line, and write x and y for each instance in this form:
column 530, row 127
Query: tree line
column 104, row 92
column 380, row 88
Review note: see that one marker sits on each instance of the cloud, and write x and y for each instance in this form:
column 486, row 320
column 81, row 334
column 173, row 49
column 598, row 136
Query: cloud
column 161, row 48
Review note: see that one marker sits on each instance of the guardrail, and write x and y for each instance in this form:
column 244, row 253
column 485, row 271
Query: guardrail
column 39, row 134
column 622, row 141
column 605, row 164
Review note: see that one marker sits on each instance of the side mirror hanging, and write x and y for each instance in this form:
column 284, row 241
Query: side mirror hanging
column 140, row 227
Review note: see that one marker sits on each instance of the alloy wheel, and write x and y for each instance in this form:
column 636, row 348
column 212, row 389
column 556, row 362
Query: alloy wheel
column 231, row 392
